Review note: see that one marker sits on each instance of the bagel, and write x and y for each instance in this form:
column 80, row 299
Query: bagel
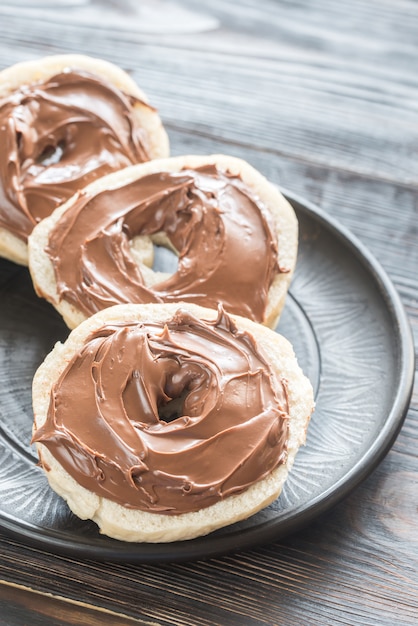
column 164, row 422
column 64, row 121
column 236, row 236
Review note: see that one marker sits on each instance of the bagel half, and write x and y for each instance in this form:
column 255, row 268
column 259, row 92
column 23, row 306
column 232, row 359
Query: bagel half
column 32, row 73
column 280, row 213
column 130, row 524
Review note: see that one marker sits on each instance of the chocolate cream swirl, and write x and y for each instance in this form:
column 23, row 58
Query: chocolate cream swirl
column 168, row 418
column 56, row 137
column 224, row 235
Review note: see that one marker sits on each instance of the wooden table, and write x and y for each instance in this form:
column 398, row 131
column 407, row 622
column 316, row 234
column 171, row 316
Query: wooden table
column 322, row 97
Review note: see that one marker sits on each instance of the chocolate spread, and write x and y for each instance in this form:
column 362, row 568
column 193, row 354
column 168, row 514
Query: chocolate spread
column 57, row 136
column 227, row 246
column 168, row 418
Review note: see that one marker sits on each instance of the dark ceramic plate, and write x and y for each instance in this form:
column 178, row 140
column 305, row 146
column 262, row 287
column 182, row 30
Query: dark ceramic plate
column 352, row 339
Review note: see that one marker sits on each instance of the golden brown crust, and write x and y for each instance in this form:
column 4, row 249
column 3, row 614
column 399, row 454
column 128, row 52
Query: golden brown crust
column 13, row 248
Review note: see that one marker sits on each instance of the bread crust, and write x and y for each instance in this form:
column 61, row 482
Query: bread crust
column 283, row 215
column 40, row 70
column 132, row 525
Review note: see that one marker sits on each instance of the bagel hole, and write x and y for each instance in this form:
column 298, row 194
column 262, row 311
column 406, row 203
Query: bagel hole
column 19, row 136
column 51, row 154
column 165, row 260
column 173, row 409
column 156, row 257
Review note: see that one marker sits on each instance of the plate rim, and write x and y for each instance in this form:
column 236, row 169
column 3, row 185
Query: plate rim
column 293, row 520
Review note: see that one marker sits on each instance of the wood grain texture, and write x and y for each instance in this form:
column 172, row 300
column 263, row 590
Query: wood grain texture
column 21, row 605
column 322, row 97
